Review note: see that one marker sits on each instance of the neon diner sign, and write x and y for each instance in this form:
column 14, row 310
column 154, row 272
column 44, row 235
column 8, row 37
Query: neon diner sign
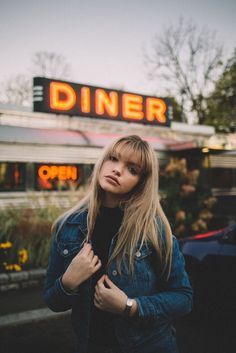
column 54, row 96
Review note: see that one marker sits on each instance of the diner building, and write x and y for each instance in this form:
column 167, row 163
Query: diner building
column 49, row 153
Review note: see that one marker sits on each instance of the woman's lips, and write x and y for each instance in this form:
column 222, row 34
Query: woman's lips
column 112, row 179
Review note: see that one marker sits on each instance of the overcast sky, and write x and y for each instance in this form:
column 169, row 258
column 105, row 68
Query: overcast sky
column 102, row 40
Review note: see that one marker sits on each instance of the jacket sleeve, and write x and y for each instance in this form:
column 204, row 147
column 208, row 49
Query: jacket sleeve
column 56, row 297
column 176, row 298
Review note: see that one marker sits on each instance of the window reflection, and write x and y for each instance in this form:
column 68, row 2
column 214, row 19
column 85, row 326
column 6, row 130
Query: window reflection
column 222, row 178
column 12, row 176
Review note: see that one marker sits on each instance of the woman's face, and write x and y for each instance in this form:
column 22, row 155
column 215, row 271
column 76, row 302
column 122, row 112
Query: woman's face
column 118, row 176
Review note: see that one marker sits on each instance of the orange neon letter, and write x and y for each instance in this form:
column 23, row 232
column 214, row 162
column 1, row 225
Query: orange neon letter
column 74, row 174
column 156, row 109
column 106, row 101
column 62, row 96
column 85, row 99
column 132, row 106
column 62, row 172
column 44, row 172
column 71, row 173
column 54, row 171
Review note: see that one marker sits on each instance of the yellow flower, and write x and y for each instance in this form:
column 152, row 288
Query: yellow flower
column 23, row 256
column 11, row 267
column 5, row 245
column 17, row 267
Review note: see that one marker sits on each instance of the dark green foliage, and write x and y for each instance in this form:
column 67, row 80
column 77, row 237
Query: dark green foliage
column 221, row 104
column 188, row 206
column 29, row 229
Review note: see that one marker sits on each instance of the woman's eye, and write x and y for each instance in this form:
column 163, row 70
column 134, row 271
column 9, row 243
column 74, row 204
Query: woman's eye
column 133, row 170
column 113, row 158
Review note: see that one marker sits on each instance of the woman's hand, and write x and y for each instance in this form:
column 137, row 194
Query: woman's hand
column 109, row 297
column 83, row 266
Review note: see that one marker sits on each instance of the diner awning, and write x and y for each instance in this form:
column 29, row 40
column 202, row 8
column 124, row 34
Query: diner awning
column 71, row 146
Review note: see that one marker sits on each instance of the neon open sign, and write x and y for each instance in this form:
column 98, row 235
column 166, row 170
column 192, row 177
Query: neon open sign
column 53, row 96
column 62, row 172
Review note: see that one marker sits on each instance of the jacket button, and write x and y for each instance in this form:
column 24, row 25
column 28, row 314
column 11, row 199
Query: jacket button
column 65, row 251
column 138, row 254
column 114, row 272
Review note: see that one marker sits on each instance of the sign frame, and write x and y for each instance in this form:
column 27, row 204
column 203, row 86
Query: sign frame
column 76, row 99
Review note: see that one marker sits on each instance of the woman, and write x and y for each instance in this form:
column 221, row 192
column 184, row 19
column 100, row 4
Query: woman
column 115, row 262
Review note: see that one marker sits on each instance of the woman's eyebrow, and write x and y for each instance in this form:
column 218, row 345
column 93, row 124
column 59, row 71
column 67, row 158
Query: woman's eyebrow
column 134, row 163
column 127, row 160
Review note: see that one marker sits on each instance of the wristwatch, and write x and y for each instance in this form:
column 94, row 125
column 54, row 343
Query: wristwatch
column 128, row 307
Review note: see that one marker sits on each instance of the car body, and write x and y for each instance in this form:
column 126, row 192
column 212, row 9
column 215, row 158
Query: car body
column 211, row 264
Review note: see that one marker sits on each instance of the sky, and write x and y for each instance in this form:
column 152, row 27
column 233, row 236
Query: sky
column 102, row 40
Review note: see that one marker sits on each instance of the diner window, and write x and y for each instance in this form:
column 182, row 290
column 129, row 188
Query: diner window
column 222, row 178
column 12, row 176
column 53, row 177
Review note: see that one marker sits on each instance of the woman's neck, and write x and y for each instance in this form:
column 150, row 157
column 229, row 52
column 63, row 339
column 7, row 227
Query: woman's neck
column 110, row 201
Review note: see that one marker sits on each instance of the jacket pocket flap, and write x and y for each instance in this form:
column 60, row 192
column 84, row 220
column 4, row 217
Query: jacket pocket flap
column 68, row 249
column 143, row 252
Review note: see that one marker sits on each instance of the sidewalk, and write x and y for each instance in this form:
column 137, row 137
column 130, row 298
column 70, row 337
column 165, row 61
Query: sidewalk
column 52, row 335
column 26, row 324
column 29, row 316
column 21, row 299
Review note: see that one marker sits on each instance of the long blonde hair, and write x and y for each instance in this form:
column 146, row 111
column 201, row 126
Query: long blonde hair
column 141, row 206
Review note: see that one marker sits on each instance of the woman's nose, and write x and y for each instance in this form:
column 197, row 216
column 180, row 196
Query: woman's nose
column 117, row 169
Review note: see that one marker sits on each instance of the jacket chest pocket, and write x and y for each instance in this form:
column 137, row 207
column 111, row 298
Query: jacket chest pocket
column 142, row 268
column 143, row 279
column 142, row 265
column 68, row 251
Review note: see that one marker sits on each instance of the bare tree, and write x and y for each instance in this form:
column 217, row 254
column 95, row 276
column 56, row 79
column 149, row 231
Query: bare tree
column 18, row 90
column 49, row 64
column 188, row 60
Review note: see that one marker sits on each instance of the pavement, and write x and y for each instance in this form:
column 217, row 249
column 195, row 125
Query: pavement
column 27, row 326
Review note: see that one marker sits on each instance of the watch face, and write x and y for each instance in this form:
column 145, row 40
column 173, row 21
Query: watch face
column 129, row 302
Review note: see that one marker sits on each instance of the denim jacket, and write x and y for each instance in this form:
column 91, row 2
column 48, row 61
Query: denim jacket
column 159, row 301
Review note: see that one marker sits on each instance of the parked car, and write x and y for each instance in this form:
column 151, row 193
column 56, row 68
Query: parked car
column 211, row 264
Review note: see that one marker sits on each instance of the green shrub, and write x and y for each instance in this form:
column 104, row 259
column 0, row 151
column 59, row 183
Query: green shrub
column 26, row 229
column 25, row 233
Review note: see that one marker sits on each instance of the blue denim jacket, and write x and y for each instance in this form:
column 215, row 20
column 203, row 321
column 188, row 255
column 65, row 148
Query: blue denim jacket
column 159, row 301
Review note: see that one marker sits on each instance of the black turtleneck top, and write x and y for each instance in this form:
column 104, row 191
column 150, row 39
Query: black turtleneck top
column 106, row 227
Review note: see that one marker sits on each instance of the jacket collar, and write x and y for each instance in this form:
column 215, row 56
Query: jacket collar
column 79, row 219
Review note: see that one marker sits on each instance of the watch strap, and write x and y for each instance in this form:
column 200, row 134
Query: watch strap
column 128, row 307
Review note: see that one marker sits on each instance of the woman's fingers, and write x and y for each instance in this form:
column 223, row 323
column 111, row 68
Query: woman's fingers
column 86, row 248
column 95, row 259
column 96, row 262
column 88, row 253
column 109, row 282
column 97, row 266
column 97, row 302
